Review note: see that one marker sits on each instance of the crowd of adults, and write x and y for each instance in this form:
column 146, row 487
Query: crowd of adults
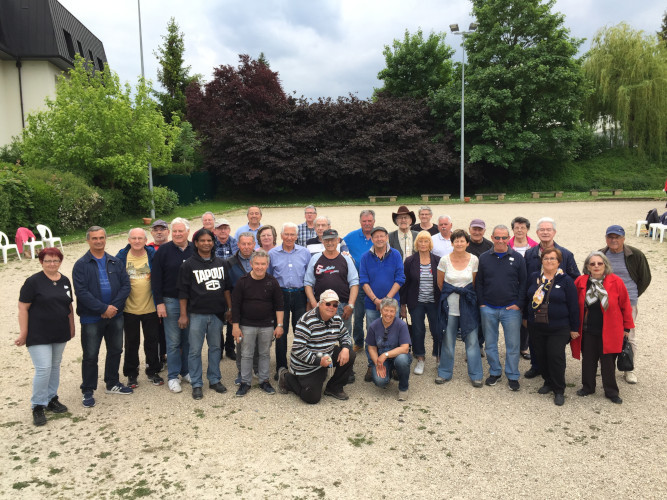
column 181, row 291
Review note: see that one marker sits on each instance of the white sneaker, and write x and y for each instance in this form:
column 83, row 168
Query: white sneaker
column 630, row 377
column 419, row 368
column 186, row 378
column 175, row 385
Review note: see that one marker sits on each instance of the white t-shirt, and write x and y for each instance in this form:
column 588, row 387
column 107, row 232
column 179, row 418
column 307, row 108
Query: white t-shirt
column 457, row 278
column 441, row 246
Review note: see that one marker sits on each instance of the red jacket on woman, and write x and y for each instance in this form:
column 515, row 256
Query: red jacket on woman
column 615, row 319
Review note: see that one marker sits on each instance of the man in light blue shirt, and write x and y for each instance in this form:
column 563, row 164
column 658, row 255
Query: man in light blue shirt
column 287, row 263
column 254, row 217
column 359, row 242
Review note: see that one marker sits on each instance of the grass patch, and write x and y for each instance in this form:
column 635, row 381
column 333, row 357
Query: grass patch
column 359, row 440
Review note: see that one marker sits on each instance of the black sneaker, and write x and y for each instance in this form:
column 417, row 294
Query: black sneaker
column 559, row 399
column 282, row 384
column 513, row 384
column 583, row 393
column 56, row 406
column 545, row 389
column 342, row 395
column 613, row 399
column 156, row 379
column 132, row 382
column 352, row 378
column 267, row 388
column 493, row 379
column 531, row 373
column 243, row 390
column 218, row 387
column 197, row 393
column 38, row 416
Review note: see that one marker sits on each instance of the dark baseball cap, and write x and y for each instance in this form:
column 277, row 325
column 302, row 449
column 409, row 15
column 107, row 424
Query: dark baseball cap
column 378, row 228
column 478, row 223
column 615, row 229
column 159, row 222
column 329, row 234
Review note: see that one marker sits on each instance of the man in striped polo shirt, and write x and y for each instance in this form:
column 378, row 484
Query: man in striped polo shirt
column 320, row 341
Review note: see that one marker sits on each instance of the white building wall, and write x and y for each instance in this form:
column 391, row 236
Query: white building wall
column 38, row 81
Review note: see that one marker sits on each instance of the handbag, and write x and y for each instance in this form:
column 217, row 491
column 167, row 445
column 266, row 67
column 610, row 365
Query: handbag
column 625, row 362
column 542, row 313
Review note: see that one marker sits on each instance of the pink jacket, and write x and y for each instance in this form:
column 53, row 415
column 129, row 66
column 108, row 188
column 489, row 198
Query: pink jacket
column 531, row 243
column 23, row 234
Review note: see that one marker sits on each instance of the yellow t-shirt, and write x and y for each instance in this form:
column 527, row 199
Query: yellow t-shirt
column 140, row 300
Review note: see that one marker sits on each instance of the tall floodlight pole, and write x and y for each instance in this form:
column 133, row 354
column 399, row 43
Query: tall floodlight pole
column 150, row 166
column 455, row 31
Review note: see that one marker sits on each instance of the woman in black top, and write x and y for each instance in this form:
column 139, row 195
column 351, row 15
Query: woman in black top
column 553, row 318
column 46, row 323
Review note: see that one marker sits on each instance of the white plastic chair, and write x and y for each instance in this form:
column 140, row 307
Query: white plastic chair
column 640, row 223
column 32, row 243
column 5, row 246
column 48, row 238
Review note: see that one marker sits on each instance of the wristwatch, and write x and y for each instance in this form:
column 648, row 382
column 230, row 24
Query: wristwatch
column 279, row 325
column 351, row 306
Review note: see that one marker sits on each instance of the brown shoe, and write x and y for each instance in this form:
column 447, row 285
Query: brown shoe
column 342, row 395
column 369, row 375
column 358, row 348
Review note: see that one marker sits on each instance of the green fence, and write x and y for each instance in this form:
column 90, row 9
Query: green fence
column 190, row 188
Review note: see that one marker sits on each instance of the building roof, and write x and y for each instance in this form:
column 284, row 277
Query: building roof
column 45, row 30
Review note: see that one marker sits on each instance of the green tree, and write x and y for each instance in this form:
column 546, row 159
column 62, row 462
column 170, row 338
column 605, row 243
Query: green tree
column 628, row 70
column 662, row 34
column 172, row 73
column 416, row 66
column 524, row 88
column 262, row 59
column 100, row 130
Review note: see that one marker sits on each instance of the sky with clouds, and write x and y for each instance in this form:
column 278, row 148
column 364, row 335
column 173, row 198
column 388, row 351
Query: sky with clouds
column 320, row 48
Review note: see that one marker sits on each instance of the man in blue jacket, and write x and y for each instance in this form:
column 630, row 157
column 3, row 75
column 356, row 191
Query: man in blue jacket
column 501, row 294
column 381, row 274
column 546, row 232
column 101, row 286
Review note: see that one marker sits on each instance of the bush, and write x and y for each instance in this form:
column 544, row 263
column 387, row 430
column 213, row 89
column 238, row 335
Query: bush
column 16, row 203
column 114, row 207
column 166, row 201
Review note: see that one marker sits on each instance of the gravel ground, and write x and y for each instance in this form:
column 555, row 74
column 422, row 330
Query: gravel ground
column 450, row 441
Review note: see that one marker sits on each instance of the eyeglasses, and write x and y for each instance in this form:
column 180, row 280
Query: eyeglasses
column 595, row 264
column 51, row 262
column 549, row 258
column 498, row 238
column 331, row 304
column 613, row 237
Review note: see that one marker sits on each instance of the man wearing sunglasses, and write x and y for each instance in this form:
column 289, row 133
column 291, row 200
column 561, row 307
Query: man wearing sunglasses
column 629, row 264
column 546, row 232
column 321, row 341
column 501, row 293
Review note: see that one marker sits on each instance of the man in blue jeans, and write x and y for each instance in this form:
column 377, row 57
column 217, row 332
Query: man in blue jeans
column 101, row 285
column 381, row 274
column 164, row 283
column 501, row 293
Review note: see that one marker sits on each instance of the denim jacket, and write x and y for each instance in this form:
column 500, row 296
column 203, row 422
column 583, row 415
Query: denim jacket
column 469, row 319
column 86, row 282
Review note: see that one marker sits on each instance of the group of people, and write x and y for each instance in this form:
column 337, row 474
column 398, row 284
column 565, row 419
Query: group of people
column 180, row 292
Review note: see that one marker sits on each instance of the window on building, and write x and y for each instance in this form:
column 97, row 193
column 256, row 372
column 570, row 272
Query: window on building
column 100, row 64
column 70, row 44
column 78, row 43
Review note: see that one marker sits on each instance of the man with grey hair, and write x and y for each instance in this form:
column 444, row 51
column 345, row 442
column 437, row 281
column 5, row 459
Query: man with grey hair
column 425, row 215
column 359, row 242
column 442, row 244
column 101, row 286
column 254, row 215
column 288, row 265
column 306, row 230
column 140, row 312
column 164, row 283
column 501, row 294
column 208, row 221
column 546, row 231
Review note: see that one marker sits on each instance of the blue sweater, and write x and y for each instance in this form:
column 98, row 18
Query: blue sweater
column 563, row 302
column 469, row 312
column 501, row 281
column 534, row 263
column 164, row 273
column 381, row 274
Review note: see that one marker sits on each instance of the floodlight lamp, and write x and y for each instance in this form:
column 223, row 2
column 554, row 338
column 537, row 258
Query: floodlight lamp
column 454, row 27
column 473, row 26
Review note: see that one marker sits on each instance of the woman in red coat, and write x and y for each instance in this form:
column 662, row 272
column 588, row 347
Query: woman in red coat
column 605, row 317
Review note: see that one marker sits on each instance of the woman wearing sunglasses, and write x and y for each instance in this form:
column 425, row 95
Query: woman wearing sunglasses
column 605, row 317
column 553, row 318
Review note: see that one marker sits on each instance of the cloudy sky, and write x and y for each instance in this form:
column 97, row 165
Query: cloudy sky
column 320, row 48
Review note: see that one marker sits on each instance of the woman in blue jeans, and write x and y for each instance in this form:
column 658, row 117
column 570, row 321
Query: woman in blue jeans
column 46, row 323
column 420, row 295
column 458, row 307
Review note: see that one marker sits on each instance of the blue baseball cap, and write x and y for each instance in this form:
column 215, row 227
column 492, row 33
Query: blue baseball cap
column 615, row 229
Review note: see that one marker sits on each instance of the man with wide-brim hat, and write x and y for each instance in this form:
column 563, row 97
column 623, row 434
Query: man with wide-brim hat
column 403, row 238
